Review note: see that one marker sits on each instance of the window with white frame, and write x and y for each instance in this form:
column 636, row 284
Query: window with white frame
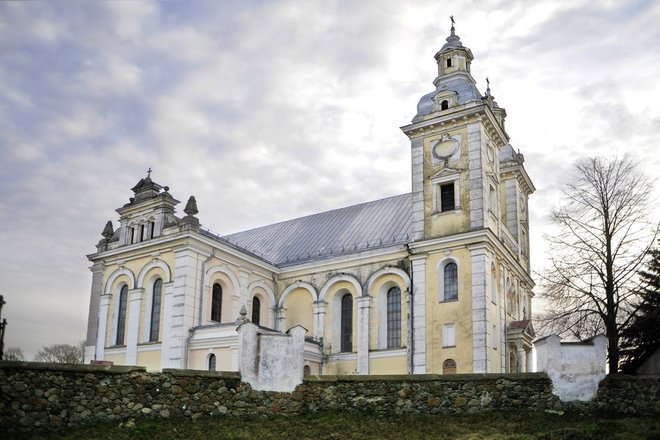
column 216, row 303
column 449, row 335
column 256, row 310
column 346, row 331
column 212, row 362
column 121, row 315
column 156, row 299
column 394, row 317
column 446, row 194
column 449, row 281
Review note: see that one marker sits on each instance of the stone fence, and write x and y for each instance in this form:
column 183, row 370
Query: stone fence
column 37, row 396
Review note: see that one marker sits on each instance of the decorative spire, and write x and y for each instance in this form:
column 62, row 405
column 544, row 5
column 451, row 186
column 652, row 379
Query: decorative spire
column 108, row 231
column 451, row 17
column 191, row 206
column 487, row 87
column 149, row 173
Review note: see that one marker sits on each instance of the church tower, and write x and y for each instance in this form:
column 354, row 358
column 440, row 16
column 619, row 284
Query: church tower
column 469, row 249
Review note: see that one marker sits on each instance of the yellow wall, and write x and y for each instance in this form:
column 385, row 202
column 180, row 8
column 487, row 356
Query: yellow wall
column 298, row 305
column 197, row 359
column 458, row 312
column 340, row 367
column 149, row 359
column 389, row 365
column 116, row 359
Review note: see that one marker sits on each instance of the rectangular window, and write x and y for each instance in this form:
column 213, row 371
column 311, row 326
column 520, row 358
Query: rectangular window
column 449, row 335
column 447, row 197
column 142, row 234
column 152, row 226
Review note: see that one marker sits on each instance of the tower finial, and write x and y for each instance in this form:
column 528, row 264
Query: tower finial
column 453, row 22
column 149, row 172
column 487, row 87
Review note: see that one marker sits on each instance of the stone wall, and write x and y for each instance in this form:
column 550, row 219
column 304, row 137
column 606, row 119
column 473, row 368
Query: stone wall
column 36, row 396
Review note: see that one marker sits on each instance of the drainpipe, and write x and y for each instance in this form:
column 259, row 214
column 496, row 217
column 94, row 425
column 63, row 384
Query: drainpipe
column 411, row 311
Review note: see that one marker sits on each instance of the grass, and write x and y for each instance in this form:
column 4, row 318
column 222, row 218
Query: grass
column 494, row 426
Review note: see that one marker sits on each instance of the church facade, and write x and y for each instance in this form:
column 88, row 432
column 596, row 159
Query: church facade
column 433, row 281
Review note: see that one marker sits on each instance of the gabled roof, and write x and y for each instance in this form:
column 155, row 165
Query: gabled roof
column 370, row 225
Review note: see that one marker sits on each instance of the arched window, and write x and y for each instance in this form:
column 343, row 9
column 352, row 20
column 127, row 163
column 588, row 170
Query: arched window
column 449, row 367
column 211, row 362
column 256, row 310
column 216, row 303
column 450, row 281
column 307, row 371
column 444, row 105
column 346, row 323
column 155, row 310
column 121, row 315
column 394, row 317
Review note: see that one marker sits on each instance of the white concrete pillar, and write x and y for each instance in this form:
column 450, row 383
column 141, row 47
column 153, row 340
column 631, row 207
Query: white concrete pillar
column 318, row 308
column 520, row 357
column 103, row 326
column 168, row 289
column 419, row 314
column 240, row 298
column 479, row 310
column 134, row 303
column 364, row 309
column 280, row 319
column 528, row 363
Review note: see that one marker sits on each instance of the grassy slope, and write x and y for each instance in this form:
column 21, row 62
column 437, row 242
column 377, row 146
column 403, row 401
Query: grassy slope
column 354, row 426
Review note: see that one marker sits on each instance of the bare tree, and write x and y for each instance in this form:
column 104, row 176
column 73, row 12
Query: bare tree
column 604, row 236
column 61, row 353
column 13, row 354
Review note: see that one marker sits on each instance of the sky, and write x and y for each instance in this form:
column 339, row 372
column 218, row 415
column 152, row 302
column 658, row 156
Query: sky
column 271, row 110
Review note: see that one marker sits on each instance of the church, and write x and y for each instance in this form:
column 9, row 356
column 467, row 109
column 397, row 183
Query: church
column 433, row 281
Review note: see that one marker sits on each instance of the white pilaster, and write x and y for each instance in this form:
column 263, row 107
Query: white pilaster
column 280, row 319
column 318, row 308
column 419, row 315
column 417, row 219
column 479, row 311
column 520, row 357
column 134, row 302
column 186, row 285
column 476, row 176
column 240, row 298
column 103, row 326
column 166, row 338
column 364, row 308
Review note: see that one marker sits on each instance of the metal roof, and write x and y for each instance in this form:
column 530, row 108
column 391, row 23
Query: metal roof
column 370, row 225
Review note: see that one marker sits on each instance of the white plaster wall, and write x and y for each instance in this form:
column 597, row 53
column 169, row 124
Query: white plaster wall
column 575, row 369
column 271, row 361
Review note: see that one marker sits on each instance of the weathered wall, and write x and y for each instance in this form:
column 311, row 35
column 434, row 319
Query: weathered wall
column 40, row 396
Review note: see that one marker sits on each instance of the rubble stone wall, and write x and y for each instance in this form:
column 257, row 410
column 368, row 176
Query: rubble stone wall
column 36, row 396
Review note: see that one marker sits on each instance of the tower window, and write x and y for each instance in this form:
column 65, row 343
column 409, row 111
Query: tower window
column 346, row 342
column 444, row 105
column 216, row 303
column 448, row 62
column 394, row 317
column 152, row 226
column 256, row 310
column 447, row 202
column 450, row 281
